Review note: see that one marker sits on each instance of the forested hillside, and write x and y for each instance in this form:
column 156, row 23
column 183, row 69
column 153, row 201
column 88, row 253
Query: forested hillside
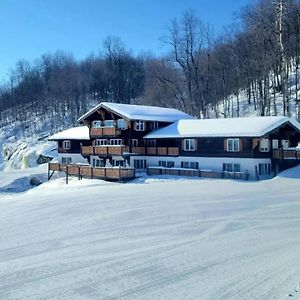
column 254, row 62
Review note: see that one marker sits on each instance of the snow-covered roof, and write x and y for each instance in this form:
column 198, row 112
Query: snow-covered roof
column 234, row 127
column 75, row 133
column 141, row 112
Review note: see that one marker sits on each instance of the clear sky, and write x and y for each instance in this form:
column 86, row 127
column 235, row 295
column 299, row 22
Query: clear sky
column 29, row 28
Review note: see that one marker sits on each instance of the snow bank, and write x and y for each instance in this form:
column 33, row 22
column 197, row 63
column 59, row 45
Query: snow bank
column 27, row 154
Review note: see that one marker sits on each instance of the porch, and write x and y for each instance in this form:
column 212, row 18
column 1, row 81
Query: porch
column 86, row 171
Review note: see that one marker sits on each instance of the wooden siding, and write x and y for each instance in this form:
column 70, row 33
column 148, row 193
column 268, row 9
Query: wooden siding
column 104, row 131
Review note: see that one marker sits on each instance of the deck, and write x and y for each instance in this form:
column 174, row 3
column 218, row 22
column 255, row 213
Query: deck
column 86, row 171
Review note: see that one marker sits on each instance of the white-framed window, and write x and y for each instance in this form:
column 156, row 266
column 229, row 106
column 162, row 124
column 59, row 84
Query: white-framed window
column 153, row 125
column 140, row 164
column 66, row 160
column 139, row 125
column 229, row 167
column 96, row 124
column 118, row 163
column 264, row 145
column 233, row 145
column 275, row 144
column 109, row 123
column 101, row 142
column 66, row 145
column 189, row 144
column 264, row 169
column 166, row 164
column 97, row 163
column 121, row 124
column 116, row 142
column 190, row 165
column 134, row 142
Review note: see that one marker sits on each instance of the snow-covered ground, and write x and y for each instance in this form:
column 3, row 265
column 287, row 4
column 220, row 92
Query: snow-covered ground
column 155, row 238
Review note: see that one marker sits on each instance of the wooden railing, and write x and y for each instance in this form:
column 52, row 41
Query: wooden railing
column 104, row 131
column 286, row 154
column 163, row 151
column 196, row 173
column 103, row 150
column 112, row 173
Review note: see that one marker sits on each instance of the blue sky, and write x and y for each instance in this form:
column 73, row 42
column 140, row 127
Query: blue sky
column 29, row 28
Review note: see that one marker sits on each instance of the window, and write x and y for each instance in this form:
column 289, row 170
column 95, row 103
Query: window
column 96, row 124
column 264, row 169
column 233, row 145
column 97, row 163
column 231, row 167
column 190, row 165
column 115, row 142
column 153, row 125
column 151, row 143
column 67, row 145
column 109, row 123
column 66, row 160
column 118, row 163
column 101, row 142
column 140, row 164
column 285, row 143
column 121, row 124
column 134, row 142
column 166, row 164
column 264, row 145
column 139, row 125
column 189, row 144
column 275, row 144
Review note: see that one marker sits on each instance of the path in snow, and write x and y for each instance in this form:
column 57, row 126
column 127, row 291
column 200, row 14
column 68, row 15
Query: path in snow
column 161, row 239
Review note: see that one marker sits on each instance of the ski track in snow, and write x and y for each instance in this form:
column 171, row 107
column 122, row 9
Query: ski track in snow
column 154, row 239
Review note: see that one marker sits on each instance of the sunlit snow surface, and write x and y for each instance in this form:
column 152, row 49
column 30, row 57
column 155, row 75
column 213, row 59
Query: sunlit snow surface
column 156, row 238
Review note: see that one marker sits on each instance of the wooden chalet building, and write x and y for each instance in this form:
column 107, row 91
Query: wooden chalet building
column 117, row 140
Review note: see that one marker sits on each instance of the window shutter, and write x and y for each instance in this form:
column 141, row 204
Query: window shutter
column 196, row 144
column 182, row 144
column 240, row 145
column 225, row 145
column 255, row 143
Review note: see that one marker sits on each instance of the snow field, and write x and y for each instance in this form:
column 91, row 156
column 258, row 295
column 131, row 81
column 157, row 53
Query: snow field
column 158, row 238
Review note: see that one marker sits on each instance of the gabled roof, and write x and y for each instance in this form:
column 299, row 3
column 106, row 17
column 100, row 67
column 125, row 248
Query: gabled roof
column 75, row 133
column 234, row 127
column 140, row 112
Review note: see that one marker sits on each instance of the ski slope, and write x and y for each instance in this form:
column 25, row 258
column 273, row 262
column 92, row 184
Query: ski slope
column 155, row 238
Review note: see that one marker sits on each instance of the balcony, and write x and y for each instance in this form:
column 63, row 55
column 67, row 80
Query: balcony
column 104, row 131
column 103, row 150
column 111, row 173
column 161, row 151
column 293, row 153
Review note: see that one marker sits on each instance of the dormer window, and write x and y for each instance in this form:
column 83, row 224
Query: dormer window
column 264, row 145
column 67, row 145
column 139, row 125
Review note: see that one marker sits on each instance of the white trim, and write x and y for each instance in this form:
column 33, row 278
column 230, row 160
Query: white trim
column 66, row 144
column 189, row 144
column 234, row 149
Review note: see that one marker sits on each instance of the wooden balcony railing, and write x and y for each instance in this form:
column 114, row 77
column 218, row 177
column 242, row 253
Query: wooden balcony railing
column 169, row 151
column 104, row 131
column 103, row 150
column 286, row 154
column 111, row 173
